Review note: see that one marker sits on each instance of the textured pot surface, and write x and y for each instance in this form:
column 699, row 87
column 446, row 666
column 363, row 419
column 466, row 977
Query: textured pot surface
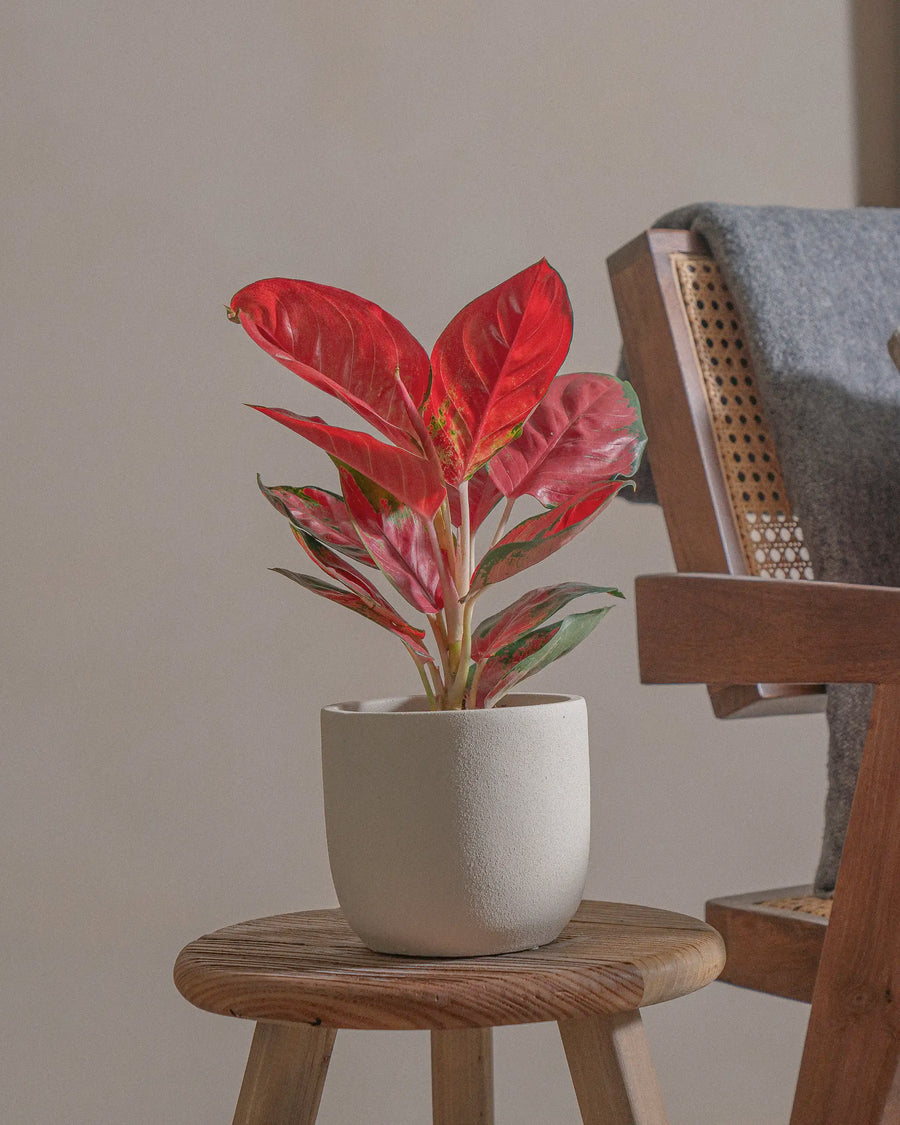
column 457, row 833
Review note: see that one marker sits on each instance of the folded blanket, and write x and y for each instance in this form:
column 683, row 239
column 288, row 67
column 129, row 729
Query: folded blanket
column 819, row 296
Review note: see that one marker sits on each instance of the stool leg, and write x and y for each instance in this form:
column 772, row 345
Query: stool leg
column 462, row 1077
column 285, row 1074
column 614, row 1079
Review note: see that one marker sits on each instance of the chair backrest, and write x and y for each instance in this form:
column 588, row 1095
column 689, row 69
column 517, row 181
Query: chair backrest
column 714, row 463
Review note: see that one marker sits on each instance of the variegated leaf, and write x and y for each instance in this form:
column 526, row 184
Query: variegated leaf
column 492, row 365
column 342, row 344
column 586, row 429
column 527, row 612
column 320, row 513
column 532, row 652
column 539, row 536
column 397, row 538
column 339, row 568
column 413, row 638
column 413, row 479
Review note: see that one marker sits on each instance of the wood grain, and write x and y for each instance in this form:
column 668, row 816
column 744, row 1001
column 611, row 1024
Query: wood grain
column 311, row 968
column 663, row 366
column 285, row 1075
column 693, row 628
column 876, row 74
column 612, row 1073
column 462, row 1077
column 849, row 1071
column 769, row 950
column 658, row 351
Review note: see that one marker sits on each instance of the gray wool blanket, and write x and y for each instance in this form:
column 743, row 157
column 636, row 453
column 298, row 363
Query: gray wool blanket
column 819, row 294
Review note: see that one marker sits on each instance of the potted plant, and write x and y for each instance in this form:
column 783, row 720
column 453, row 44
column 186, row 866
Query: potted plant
column 457, row 820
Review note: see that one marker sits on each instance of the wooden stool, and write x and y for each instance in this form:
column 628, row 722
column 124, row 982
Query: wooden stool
column 303, row 976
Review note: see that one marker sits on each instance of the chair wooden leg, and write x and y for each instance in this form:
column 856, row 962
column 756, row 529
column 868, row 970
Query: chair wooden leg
column 851, row 1060
column 462, row 1077
column 614, row 1079
column 285, row 1074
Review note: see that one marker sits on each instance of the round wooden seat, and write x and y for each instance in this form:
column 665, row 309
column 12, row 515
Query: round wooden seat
column 311, row 968
column 303, row 976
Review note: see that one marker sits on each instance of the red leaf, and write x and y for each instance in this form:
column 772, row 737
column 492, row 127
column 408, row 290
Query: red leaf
column 397, row 538
column 412, row 479
column 413, row 638
column 534, row 539
column 322, row 514
column 342, row 344
column 528, row 611
column 492, row 365
column 586, row 429
column 483, row 498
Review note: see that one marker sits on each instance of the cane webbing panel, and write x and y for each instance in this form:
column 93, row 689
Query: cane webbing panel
column 770, row 534
column 806, row 904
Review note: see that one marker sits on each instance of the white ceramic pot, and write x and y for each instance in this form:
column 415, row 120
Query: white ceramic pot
column 457, row 833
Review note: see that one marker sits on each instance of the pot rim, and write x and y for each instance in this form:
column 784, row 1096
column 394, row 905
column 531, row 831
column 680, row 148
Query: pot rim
column 395, row 705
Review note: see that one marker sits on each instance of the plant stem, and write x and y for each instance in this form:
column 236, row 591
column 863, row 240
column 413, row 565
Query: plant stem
column 451, row 597
column 504, row 520
column 456, row 563
column 472, row 698
column 457, row 691
column 464, row 555
column 420, row 667
column 440, row 635
column 460, row 635
column 436, row 681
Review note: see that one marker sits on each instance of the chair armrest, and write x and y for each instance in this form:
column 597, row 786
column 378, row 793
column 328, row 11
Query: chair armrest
column 713, row 628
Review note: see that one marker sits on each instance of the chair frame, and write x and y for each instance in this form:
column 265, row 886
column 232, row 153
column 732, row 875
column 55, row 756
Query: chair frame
column 663, row 365
column 775, row 643
column 693, row 627
column 771, row 950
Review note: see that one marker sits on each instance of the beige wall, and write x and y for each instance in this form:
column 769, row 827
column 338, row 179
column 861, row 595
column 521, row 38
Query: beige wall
column 161, row 688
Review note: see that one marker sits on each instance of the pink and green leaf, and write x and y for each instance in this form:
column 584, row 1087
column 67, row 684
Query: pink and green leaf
column 586, row 429
column 492, row 365
column 526, row 613
column 397, row 538
column 339, row 568
column 536, row 538
column 342, row 344
column 532, row 652
column 320, row 513
column 413, row 479
column 413, row 638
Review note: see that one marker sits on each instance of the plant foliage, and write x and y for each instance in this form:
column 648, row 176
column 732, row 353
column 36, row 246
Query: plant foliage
column 487, row 419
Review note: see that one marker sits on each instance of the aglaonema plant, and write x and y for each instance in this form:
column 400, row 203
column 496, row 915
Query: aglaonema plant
column 486, row 421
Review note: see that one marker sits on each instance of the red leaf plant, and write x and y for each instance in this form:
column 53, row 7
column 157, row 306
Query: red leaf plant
column 487, row 419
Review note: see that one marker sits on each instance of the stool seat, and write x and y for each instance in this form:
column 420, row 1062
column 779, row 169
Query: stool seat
column 303, row 976
column 311, row 968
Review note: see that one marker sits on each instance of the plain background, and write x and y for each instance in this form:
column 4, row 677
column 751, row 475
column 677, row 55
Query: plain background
column 161, row 688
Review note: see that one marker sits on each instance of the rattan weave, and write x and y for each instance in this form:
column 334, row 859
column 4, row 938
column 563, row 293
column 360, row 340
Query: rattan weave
column 808, row 904
column 770, row 534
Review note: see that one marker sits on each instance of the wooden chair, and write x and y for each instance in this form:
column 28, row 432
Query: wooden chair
column 303, row 976
column 692, row 628
column 766, row 648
